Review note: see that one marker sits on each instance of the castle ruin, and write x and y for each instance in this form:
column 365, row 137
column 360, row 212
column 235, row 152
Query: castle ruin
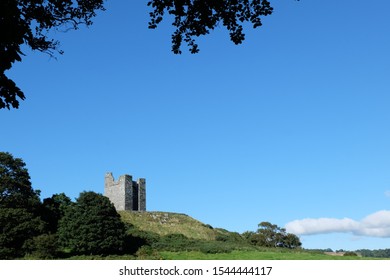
column 125, row 193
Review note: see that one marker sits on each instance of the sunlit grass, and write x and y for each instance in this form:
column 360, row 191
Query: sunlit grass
column 254, row 255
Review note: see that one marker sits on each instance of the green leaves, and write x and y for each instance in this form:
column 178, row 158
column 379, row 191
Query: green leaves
column 19, row 207
column 15, row 185
column 270, row 235
column 92, row 226
column 17, row 226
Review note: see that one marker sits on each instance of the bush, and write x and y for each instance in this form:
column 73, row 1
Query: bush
column 350, row 254
column 17, row 226
column 136, row 238
column 43, row 246
column 147, row 253
column 174, row 242
column 92, row 226
column 229, row 237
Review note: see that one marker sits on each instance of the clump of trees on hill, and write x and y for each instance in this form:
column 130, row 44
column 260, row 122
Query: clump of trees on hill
column 57, row 227
column 270, row 235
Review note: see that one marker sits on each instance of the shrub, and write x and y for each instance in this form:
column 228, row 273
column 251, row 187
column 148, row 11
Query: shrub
column 135, row 239
column 350, row 254
column 43, row 246
column 92, row 226
column 174, row 242
column 214, row 248
column 147, row 253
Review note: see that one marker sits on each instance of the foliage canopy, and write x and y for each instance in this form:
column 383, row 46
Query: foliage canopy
column 17, row 226
column 29, row 22
column 15, row 186
column 270, row 235
column 92, row 226
column 193, row 18
column 53, row 209
column 19, row 207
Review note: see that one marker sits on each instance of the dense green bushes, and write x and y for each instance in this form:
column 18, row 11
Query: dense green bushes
column 92, row 226
column 379, row 253
column 270, row 235
column 43, row 247
column 19, row 208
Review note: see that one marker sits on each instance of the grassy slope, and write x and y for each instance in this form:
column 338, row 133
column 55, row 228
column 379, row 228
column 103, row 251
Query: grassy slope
column 164, row 223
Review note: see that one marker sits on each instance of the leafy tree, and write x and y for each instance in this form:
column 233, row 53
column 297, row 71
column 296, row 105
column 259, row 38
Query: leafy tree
column 193, row 18
column 53, row 209
column 29, row 22
column 19, row 205
column 17, row 226
column 247, row 234
column 15, row 185
column 92, row 226
column 270, row 235
column 291, row 241
column 44, row 246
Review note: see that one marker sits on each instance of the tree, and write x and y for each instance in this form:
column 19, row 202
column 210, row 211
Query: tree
column 19, row 207
column 15, row 186
column 270, row 235
column 53, row 209
column 193, row 18
column 28, row 22
column 44, row 246
column 17, row 226
column 291, row 241
column 92, row 226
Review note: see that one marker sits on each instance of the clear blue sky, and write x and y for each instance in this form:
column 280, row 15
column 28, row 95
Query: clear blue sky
column 291, row 127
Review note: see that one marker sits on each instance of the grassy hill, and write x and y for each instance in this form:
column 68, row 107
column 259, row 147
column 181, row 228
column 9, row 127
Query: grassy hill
column 202, row 241
column 164, row 223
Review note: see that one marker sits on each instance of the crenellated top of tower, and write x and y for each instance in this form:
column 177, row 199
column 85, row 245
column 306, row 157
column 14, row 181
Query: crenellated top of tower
column 125, row 193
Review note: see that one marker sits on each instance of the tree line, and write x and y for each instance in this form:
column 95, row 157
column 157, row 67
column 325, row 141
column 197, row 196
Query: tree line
column 379, row 253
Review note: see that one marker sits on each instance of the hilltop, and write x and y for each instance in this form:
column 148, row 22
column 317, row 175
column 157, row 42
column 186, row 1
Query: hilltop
column 165, row 223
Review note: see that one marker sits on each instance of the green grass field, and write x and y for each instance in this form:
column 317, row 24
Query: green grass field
column 254, row 255
column 234, row 255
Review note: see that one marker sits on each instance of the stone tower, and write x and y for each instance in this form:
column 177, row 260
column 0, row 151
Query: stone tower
column 125, row 193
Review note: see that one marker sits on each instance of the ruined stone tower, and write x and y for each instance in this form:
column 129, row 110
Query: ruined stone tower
column 125, row 193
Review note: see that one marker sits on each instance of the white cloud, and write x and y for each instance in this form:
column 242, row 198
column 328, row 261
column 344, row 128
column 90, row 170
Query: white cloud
column 376, row 225
column 387, row 193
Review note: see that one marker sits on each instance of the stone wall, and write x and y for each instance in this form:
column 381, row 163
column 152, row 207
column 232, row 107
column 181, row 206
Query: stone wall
column 125, row 193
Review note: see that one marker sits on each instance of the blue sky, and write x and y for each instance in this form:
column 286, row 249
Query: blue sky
column 290, row 127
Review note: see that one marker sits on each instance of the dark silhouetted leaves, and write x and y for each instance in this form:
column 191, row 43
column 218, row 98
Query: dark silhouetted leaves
column 28, row 22
column 193, row 18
